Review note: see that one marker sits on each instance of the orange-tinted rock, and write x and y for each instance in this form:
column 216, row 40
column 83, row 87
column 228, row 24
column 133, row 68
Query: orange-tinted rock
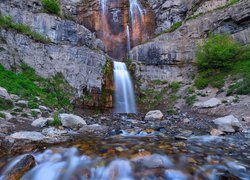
column 110, row 26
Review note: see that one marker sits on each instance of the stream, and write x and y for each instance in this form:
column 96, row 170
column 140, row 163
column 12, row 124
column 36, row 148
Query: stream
column 141, row 156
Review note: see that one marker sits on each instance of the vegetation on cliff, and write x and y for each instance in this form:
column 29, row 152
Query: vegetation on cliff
column 8, row 23
column 220, row 56
column 51, row 6
column 54, row 92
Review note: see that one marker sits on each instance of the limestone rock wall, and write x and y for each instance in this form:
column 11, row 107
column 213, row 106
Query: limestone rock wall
column 75, row 51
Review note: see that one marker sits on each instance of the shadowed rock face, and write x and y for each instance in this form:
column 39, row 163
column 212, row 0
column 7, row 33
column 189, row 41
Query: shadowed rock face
column 110, row 24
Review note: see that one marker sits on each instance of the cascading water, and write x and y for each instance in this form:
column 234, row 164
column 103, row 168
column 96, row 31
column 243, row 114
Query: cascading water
column 136, row 16
column 124, row 94
column 128, row 38
column 103, row 5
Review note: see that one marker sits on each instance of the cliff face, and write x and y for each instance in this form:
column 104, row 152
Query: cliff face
column 75, row 51
column 177, row 49
column 119, row 24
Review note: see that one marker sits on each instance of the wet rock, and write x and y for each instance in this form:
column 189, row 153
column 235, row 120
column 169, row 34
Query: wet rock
column 40, row 122
column 216, row 132
column 94, row 128
column 4, row 93
column 213, row 102
column 154, row 115
column 7, row 115
column 26, row 163
column 228, row 124
column 22, row 103
column 54, row 132
column 179, row 137
column 28, row 135
column 71, row 121
column 175, row 174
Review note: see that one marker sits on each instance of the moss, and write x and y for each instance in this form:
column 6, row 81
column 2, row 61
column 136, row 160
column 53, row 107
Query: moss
column 7, row 23
column 172, row 28
column 33, row 105
column 175, row 86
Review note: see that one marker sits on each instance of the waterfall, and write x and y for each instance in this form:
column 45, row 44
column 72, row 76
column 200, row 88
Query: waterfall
column 136, row 15
column 128, row 38
column 124, row 93
column 103, row 5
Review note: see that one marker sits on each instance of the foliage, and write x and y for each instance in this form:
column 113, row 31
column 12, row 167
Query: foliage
column 54, row 92
column 175, row 86
column 173, row 27
column 218, row 57
column 7, row 22
column 2, row 115
column 56, row 120
column 34, row 114
column 241, row 75
column 190, row 100
column 5, row 104
column 217, row 52
column 51, row 6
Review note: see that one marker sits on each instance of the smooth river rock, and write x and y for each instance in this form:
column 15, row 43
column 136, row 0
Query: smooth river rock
column 71, row 121
column 28, row 135
column 228, row 124
column 154, row 115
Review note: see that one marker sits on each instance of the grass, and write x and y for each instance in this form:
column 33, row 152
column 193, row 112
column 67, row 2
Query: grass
column 51, row 6
column 54, row 92
column 190, row 100
column 56, row 120
column 8, row 23
column 172, row 28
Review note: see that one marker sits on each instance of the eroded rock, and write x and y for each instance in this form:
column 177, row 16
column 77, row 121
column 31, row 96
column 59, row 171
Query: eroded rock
column 71, row 121
column 154, row 115
column 228, row 124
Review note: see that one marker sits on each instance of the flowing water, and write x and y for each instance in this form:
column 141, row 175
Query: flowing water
column 143, row 157
column 124, row 91
column 136, row 17
column 128, row 38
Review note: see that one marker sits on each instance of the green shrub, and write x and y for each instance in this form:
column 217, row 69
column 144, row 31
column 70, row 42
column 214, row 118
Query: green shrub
column 174, row 86
column 56, row 121
column 7, row 22
column 33, row 105
column 217, row 52
column 51, row 6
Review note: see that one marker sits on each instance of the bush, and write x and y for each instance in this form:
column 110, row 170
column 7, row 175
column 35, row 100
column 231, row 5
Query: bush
column 51, row 6
column 218, row 52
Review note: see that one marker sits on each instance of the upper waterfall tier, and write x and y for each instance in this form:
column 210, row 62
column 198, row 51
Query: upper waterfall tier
column 113, row 21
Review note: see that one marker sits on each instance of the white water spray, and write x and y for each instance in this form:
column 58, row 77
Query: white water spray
column 124, row 94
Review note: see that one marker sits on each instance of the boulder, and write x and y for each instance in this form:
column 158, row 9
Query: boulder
column 19, row 168
column 54, row 132
column 4, row 93
column 228, row 124
column 94, row 128
column 40, row 122
column 7, row 115
column 28, row 135
column 154, row 115
column 211, row 103
column 71, row 121
column 22, row 103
